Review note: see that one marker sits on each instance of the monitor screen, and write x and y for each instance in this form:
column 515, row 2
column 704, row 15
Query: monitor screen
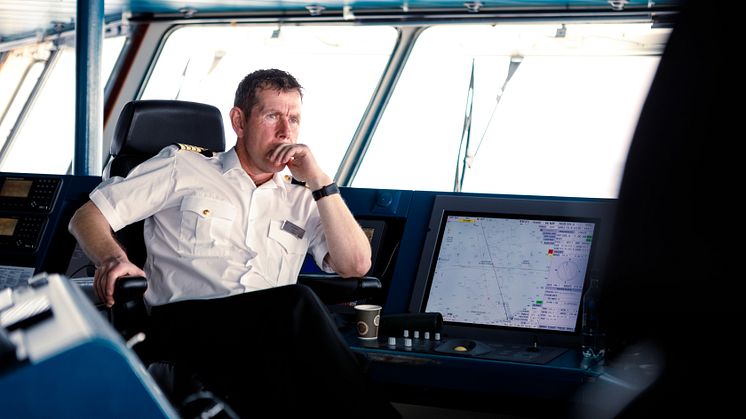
column 510, row 270
column 516, row 265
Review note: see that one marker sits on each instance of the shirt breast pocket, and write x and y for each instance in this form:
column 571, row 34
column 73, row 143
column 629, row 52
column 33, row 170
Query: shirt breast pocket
column 289, row 251
column 206, row 226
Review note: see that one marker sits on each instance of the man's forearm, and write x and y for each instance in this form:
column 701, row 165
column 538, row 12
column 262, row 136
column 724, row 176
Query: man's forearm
column 349, row 249
column 90, row 228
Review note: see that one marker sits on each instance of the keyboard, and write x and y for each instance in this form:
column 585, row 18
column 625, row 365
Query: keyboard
column 14, row 276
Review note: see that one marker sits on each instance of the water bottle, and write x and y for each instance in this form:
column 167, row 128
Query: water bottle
column 593, row 337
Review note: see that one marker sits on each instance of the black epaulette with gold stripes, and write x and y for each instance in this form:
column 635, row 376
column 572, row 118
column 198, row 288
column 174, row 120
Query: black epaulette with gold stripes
column 294, row 181
column 193, row 148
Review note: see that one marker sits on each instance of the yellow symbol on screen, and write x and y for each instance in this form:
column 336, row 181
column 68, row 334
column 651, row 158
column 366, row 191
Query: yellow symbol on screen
column 8, row 226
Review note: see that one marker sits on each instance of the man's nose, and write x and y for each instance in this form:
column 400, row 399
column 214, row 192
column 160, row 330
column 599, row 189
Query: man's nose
column 283, row 126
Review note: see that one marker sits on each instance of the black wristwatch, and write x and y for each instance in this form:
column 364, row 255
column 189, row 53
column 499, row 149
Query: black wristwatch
column 329, row 189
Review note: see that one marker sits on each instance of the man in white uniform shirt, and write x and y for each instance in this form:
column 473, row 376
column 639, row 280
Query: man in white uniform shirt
column 224, row 234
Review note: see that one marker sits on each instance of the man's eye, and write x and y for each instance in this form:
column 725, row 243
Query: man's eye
column 272, row 116
column 295, row 120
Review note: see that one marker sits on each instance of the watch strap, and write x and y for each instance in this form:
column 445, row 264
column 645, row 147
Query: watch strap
column 327, row 190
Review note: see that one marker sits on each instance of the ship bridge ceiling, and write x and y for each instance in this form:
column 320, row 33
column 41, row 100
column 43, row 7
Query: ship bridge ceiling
column 21, row 19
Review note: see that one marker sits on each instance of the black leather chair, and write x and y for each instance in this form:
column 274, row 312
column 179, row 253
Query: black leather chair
column 143, row 129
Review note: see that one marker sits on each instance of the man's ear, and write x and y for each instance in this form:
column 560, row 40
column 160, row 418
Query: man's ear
column 237, row 120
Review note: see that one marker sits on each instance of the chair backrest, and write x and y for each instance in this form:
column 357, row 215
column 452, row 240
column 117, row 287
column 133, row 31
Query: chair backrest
column 672, row 232
column 144, row 128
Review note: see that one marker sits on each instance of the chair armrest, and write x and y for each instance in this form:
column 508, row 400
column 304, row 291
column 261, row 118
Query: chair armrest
column 327, row 287
column 128, row 315
column 130, row 288
column 333, row 289
column 126, row 289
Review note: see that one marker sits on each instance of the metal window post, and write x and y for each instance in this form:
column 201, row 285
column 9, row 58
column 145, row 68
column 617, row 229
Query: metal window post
column 89, row 110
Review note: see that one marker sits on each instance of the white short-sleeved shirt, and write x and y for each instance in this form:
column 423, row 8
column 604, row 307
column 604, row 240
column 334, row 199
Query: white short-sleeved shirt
column 209, row 230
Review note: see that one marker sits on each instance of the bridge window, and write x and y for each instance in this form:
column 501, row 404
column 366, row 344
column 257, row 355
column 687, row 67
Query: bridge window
column 37, row 104
column 19, row 72
column 561, row 126
column 338, row 67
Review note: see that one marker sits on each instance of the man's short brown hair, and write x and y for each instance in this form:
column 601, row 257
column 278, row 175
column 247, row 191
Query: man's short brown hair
column 263, row 79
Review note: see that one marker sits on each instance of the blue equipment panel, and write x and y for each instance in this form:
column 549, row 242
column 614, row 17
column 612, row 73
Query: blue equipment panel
column 39, row 206
column 68, row 361
column 526, row 369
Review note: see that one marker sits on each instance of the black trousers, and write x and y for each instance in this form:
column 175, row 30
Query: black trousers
column 275, row 351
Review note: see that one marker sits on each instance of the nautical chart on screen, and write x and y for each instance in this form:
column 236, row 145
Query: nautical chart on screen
column 523, row 272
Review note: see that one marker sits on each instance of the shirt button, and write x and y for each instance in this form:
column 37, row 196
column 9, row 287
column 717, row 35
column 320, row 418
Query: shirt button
column 206, row 212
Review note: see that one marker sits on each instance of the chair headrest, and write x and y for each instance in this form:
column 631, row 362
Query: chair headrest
column 146, row 126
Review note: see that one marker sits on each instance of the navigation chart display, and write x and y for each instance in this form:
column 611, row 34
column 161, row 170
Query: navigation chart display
column 523, row 272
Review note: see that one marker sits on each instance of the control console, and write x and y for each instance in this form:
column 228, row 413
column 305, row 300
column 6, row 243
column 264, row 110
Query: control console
column 57, row 354
column 34, row 212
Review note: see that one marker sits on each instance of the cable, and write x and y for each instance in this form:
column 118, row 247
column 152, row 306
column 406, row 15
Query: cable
column 88, row 265
column 391, row 258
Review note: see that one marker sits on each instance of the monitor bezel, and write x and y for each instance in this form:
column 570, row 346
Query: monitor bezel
column 599, row 211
